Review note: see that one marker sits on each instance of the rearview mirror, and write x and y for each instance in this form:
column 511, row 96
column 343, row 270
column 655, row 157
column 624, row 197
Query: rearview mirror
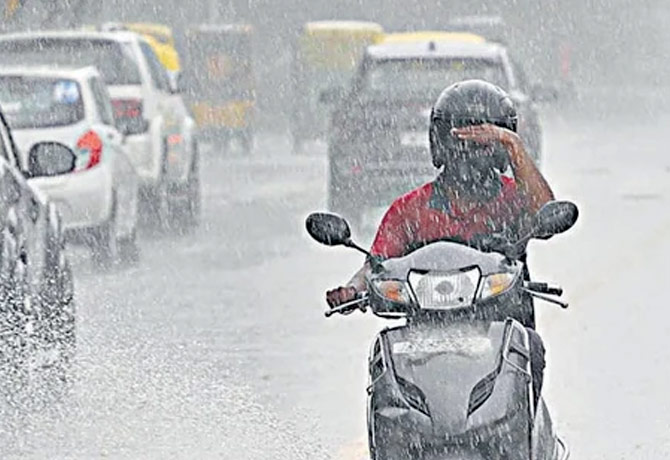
column 331, row 95
column 50, row 159
column 328, row 229
column 553, row 218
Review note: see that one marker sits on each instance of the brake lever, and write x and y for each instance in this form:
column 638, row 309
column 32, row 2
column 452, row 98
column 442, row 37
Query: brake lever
column 546, row 298
column 543, row 288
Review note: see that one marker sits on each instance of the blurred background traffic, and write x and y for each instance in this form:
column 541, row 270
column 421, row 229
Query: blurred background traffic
column 590, row 48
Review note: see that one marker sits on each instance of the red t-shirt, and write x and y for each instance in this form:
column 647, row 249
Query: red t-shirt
column 425, row 215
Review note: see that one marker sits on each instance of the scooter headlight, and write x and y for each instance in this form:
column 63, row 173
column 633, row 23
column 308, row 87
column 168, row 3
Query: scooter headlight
column 445, row 290
column 393, row 290
column 496, row 284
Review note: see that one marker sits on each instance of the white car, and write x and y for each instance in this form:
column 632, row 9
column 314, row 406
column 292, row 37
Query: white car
column 63, row 125
column 36, row 283
column 160, row 133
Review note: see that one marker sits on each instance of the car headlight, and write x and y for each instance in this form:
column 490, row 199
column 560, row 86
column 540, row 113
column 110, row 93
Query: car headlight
column 496, row 284
column 445, row 290
column 393, row 290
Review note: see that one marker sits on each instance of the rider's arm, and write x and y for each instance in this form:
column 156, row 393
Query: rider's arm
column 528, row 178
column 390, row 241
column 358, row 280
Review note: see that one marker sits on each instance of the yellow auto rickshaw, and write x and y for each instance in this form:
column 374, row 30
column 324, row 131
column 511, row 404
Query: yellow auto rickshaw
column 161, row 39
column 325, row 57
column 219, row 81
column 432, row 35
column 159, row 36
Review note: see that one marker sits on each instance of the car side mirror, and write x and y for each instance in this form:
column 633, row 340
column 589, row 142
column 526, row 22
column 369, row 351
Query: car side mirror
column 328, row 229
column 543, row 93
column 331, row 96
column 47, row 159
column 553, row 218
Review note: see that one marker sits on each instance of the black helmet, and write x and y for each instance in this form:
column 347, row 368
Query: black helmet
column 469, row 102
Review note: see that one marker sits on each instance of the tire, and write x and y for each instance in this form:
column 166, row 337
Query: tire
column 52, row 290
column 129, row 250
column 185, row 203
column 193, row 210
column 157, row 203
column 161, row 205
column 105, row 244
column 247, row 140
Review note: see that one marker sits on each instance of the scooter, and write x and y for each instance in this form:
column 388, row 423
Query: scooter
column 454, row 382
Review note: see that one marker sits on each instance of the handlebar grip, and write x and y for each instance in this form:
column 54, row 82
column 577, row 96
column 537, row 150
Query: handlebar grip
column 544, row 288
column 555, row 290
column 358, row 303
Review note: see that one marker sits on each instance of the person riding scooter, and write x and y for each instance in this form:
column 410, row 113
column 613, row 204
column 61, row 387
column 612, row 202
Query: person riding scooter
column 488, row 185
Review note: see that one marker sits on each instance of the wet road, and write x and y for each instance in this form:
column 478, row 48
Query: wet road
column 215, row 346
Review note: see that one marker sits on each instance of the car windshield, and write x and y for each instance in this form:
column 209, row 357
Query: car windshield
column 404, row 79
column 113, row 61
column 40, row 102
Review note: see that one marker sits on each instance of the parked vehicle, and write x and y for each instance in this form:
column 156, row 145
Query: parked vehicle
column 36, row 286
column 95, row 187
column 220, row 81
column 324, row 59
column 492, row 27
column 159, row 36
column 455, row 380
column 159, row 132
column 378, row 142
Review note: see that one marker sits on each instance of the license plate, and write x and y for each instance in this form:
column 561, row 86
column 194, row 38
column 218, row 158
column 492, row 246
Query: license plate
column 415, row 139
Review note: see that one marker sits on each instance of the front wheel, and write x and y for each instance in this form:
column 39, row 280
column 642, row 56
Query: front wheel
column 186, row 200
column 104, row 245
column 161, row 205
column 193, row 192
column 129, row 249
column 156, row 209
column 247, row 140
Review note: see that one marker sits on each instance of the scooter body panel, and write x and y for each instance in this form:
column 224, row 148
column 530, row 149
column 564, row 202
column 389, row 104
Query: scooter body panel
column 426, row 395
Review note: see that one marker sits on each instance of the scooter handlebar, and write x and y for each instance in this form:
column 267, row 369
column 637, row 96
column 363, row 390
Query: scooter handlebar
column 359, row 303
column 544, row 288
